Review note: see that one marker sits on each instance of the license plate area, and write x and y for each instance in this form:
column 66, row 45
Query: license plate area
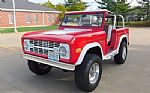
column 53, row 56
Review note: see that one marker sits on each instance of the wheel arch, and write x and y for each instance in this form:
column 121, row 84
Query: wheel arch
column 122, row 38
column 94, row 50
column 90, row 48
column 125, row 40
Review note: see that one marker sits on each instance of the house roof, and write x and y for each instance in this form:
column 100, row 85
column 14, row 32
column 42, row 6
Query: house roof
column 24, row 5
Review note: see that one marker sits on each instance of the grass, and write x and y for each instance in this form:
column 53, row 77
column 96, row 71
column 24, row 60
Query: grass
column 23, row 29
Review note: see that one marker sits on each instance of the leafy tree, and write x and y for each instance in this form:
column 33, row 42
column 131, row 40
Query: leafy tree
column 58, row 7
column 61, row 8
column 121, row 8
column 71, row 2
column 76, row 7
column 48, row 4
column 118, row 7
column 135, row 14
column 146, row 5
column 70, row 5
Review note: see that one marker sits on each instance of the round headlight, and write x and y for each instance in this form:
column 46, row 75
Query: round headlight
column 26, row 45
column 63, row 51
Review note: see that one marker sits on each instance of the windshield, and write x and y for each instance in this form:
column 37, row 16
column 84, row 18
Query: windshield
column 88, row 20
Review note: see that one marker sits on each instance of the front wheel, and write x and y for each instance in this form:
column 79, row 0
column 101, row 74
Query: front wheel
column 38, row 68
column 120, row 58
column 88, row 74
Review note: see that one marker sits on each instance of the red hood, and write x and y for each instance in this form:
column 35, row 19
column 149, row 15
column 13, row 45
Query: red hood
column 65, row 35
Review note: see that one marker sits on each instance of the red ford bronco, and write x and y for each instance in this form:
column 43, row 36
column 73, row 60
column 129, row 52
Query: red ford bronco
column 80, row 44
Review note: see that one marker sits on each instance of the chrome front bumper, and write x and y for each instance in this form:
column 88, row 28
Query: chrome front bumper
column 48, row 62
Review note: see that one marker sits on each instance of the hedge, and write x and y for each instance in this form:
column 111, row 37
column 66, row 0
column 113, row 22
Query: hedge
column 138, row 24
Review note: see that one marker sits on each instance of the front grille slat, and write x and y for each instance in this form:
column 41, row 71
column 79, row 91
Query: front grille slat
column 45, row 44
column 42, row 47
column 40, row 43
column 45, row 51
column 35, row 50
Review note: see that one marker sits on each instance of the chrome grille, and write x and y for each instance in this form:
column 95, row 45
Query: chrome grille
column 42, row 47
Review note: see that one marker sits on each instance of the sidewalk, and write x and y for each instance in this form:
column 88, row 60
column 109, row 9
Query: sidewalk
column 11, row 40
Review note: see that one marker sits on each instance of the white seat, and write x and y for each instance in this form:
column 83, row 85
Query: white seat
column 110, row 28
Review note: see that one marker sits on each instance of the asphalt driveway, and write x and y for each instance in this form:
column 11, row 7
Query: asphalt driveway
column 131, row 77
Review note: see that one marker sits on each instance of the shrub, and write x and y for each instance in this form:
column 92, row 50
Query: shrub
column 138, row 24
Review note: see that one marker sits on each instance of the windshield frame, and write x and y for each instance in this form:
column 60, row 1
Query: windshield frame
column 82, row 13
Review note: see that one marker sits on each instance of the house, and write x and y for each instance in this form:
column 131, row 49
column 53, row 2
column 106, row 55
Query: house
column 27, row 14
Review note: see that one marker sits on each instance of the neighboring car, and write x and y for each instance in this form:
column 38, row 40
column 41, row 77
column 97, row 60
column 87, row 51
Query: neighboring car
column 80, row 44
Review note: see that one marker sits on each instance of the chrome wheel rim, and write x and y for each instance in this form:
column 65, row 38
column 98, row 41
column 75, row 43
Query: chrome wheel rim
column 42, row 66
column 94, row 73
column 124, row 53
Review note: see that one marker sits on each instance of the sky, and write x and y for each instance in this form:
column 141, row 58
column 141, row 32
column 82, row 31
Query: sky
column 61, row 1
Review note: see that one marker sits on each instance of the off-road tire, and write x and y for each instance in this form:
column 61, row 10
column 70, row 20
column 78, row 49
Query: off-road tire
column 119, row 57
column 82, row 79
column 33, row 66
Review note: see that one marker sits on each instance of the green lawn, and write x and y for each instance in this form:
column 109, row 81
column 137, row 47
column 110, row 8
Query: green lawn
column 23, row 29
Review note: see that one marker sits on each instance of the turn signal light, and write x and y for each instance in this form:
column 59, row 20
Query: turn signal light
column 78, row 50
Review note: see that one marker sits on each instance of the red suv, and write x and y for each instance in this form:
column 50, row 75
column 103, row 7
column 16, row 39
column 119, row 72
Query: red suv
column 80, row 44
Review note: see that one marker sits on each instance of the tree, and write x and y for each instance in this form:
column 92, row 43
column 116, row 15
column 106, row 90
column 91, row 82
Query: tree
column 121, row 8
column 74, row 5
column 146, row 5
column 71, row 2
column 48, row 4
column 61, row 8
column 118, row 7
column 70, row 5
column 136, row 14
column 58, row 7
column 106, row 3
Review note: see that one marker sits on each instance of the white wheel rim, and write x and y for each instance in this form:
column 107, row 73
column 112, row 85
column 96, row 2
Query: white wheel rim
column 124, row 53
column 94, row 73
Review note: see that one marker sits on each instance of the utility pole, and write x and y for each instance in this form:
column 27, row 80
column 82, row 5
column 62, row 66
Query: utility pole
column 14, row 12
column 14, row 15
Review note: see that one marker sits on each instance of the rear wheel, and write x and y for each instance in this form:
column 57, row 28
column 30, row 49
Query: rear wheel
column 120, row 58
column 88, row 74
column 38, row 68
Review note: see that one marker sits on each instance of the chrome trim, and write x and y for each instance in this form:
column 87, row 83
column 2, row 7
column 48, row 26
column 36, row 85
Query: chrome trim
column 46, row 61
column 40, row 46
